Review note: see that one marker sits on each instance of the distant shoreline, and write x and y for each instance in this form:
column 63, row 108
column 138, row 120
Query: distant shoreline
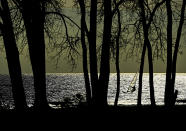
column 82, row 73
column 31, row 74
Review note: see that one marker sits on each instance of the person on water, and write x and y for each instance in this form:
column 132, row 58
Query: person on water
column 131, row 89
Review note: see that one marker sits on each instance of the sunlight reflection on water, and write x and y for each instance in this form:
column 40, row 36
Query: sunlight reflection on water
column 61, row 86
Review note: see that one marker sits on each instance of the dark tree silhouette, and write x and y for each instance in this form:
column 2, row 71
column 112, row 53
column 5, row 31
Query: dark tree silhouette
column 118, row 54
column 177, row 44
column 141, row 74
column 12, row 55
column 33, row 15
column 170, row 92
column 105, row 55
column 92, row 39
column 84, row 47
column 99, row 86
column 147, row 45
column 33, row 12
column 99, row 93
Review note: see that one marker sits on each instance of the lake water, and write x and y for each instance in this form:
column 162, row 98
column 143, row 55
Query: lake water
column 61, row 86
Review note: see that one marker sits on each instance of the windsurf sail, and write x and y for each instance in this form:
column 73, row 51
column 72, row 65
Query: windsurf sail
column 132, row 86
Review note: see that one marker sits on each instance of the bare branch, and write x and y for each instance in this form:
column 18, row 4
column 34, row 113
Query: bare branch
column 63, row 17
column 154, row 11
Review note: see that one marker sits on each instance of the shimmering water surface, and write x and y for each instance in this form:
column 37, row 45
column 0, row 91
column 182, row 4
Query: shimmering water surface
column 61, row 86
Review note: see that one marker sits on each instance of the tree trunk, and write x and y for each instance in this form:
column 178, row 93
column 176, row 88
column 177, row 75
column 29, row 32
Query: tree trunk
column 151, row 76
column 105, row 55
column 168, row 89
column 141, row 75
column 147, row 43
column 179, row 32
column 118, row 58
column 13, row 60
column 34, row 22
column 147, row 26
column 92, row 49
column 84, row 47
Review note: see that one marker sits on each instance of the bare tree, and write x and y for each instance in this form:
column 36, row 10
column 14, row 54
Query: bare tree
column 33, row 13
column 84, row 47
column 170, row 92
column 92, row 39
column 12, row 55
column 177, row 45
column 147, row 45
column 118, row 54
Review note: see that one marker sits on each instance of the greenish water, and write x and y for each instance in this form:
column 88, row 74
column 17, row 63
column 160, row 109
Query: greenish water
column 64, row 66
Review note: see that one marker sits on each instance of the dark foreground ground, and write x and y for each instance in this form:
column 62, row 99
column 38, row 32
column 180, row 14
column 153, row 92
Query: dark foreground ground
column 110, row 109
column 83, row 111
column 78, row 118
